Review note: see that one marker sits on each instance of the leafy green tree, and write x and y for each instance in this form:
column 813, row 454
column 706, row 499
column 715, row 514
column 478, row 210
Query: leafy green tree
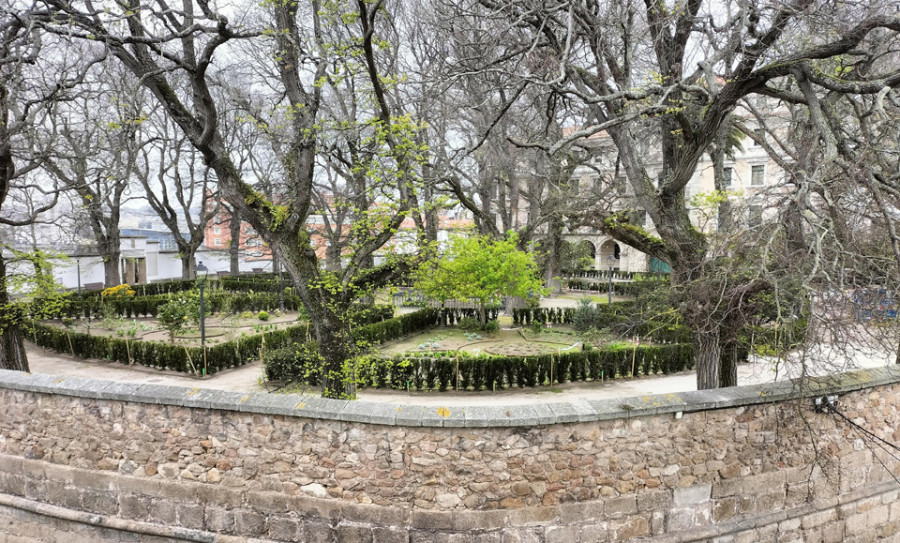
column 483, row 268
column 179, row 312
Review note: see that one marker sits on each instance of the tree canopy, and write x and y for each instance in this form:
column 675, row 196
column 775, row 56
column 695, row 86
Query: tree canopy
column 483, row 268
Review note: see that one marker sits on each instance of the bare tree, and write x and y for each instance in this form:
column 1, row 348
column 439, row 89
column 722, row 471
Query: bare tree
column 677, row 72
column 98, row 139
column 178, row 188
column 30, row 83
column 161, row 46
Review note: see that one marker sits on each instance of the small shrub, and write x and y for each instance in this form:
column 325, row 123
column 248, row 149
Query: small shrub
column 536, row 327
column 469, row 324
column 584, row 316
column 247, row 315
column 492, row 327
column 263, row 315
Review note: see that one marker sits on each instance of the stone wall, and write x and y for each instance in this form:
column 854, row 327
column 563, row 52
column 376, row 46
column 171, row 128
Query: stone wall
column 112, row 462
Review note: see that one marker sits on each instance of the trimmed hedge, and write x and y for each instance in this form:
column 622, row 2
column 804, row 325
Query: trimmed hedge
column 617, row 274
column 223, row 355
column 147, row 306
column 498, row 372
column 150, row 353
column 634, row 288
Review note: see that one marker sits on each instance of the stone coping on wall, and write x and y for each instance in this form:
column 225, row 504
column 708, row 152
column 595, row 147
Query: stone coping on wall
column 392, row 414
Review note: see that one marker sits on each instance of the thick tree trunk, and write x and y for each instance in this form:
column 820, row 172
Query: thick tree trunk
column 187, row 264
column 552, row 269
column 12, row 349
column 707, row 353
column 728, row 366
column 335, row 340
column 111, row 274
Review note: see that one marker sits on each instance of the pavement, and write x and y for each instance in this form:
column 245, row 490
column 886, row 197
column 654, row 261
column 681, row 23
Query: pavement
column 249, row 379
column 819, row 360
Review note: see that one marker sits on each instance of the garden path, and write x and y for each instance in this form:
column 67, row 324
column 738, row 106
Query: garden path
column 246, row 379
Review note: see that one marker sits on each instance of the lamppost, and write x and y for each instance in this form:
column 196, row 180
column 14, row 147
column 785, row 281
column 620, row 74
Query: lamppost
column 198, row 268
column 78, row 269
column 610, row 259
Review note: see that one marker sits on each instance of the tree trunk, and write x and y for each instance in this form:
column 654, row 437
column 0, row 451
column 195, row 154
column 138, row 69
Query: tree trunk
column 728, row 366
column 707, row 353
column 12, row 349
column 334, row 339
column 552, row 269
column 111, row 274
column 187, row 263
column 234, row 248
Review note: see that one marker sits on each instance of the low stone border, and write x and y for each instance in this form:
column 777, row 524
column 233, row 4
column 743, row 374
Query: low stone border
column 447, row 417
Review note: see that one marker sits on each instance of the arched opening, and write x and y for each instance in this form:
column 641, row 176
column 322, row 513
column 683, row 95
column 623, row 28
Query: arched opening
column 610, row 253
column 577, row 256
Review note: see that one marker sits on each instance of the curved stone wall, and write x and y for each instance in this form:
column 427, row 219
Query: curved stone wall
column 107, row 461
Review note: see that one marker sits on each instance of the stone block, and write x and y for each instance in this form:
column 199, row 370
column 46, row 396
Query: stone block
column 819, row 518
column 484, row 416
column 376, row 515
column 581, row 512
column 679, row 519
column 623, row 505
column 431, row 520
column 353, row 534
column 317, row 532
column 249, row 523
column 633, row 527
column 593, row 533
column 531, row 515
column 390, row 535
column 162, row 511
column 219, row 520
column 560, row 534
column 692, row 495
column 521, row 415
column 488, row 537
column 370, row 413
column 651, row 500
column 134, row 507
column 563, row 412
column 284, row 528
column 410, row 415
column 469, row 521
column 316, row 508
column 833, row 532
column 724, row 509
column 191, row 516
column 270, row 502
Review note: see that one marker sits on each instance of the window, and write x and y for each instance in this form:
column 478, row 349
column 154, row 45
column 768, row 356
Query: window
column 217, row 219
column 217, row 230
column 760, row 135
column 755, row 218
column 253, row 242
column 495, row 191
column 217, row 242
column 757, row 176
column 726, row 177
column 249, row 231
